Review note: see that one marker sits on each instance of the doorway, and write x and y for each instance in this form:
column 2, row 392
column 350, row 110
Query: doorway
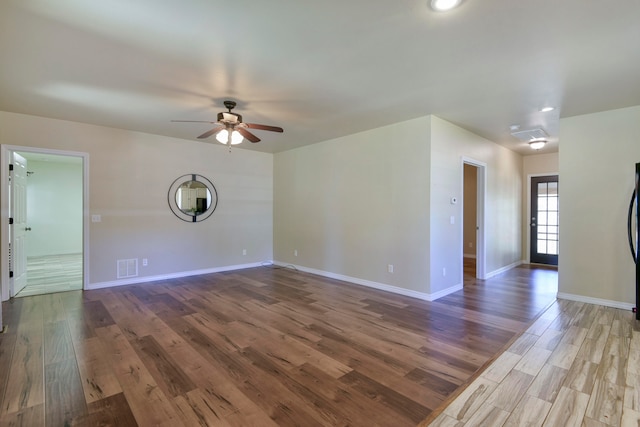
column 544, row 221
column 470, row 215
column 473, row 238
column 51, row 232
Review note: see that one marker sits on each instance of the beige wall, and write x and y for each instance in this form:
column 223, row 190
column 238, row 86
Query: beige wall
column 597, row 159
column 130, row 174
column 350, row 206
column 503, row 204
column 534, row 165
column 353, row 205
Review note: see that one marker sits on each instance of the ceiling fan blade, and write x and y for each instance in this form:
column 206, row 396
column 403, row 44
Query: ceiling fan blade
column 193, row 121
column 251, row 137
column 209, row 133
column 264, row 127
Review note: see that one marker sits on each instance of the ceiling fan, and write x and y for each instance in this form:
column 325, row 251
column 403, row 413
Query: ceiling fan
column 230, row 129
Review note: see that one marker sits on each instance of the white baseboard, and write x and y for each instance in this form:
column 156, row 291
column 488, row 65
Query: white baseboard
column 145, row 279
column 502, row 270
column 445, row 292
column 596, row 301
column 368, row 283
column 375, row 285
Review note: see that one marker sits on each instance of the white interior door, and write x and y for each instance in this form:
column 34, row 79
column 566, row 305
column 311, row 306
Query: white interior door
column 18, row 212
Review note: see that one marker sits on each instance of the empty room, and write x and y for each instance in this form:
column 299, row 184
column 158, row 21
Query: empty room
column 343, row 213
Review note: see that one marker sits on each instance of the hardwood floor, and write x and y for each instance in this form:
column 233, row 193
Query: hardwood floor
column 257, row 347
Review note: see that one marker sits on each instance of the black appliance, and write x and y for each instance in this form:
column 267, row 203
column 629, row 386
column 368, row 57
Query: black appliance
column 201, row 204
column 633, row 239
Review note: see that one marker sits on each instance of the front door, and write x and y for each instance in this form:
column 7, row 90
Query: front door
column 18, row 213
column 544, row 220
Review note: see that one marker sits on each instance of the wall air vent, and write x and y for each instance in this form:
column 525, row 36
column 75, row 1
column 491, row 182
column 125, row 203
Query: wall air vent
column 528, row 135
column 127, row 268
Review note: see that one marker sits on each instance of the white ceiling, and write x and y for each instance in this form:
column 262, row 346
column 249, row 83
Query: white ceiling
column 318, row 69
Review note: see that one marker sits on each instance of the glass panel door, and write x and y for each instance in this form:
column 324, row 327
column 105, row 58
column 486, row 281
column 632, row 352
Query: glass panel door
column 544, row 220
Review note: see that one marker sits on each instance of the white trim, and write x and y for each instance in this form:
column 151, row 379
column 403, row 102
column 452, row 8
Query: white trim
column 503, row 269
column 146, row 279
column 5, row 155
column 375, row 285
column 596, row 301
column 445, row 292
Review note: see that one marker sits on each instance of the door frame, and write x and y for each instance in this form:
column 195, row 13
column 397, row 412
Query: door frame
column 480, row 216
column 5, row 156
column 528, row 217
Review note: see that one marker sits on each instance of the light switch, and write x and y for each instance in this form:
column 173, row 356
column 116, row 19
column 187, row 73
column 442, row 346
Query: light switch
column 453, row 219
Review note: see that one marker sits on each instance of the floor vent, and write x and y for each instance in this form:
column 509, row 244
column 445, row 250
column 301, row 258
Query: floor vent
column 127, row 268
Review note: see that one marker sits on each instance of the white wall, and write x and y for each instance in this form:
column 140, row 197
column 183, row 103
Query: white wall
column 353, row 205
column 449, row 144
column 535, row 165
column 598, row 153
column 130, row 174
column 54, row 208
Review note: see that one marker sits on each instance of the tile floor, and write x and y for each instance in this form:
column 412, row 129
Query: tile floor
column 577, row 365
column 54, row 273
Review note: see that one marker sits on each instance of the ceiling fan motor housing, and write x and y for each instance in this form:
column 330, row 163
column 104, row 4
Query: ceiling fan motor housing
column 229, row 117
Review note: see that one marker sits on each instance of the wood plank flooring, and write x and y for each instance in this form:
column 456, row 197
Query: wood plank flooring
column 577, row 365
column 256, row 347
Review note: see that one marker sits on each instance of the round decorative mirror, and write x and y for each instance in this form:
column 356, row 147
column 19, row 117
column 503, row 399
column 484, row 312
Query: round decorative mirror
column 192, row 198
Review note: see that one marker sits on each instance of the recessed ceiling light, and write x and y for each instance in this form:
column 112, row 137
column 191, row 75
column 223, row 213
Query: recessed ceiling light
column 546, row 109
column 444, row 5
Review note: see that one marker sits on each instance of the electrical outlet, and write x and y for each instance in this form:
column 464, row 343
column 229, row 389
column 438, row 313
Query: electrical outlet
column 390, row 268
column 244, row 252
column 444, row 271
column 145, row 262
column 295, row 252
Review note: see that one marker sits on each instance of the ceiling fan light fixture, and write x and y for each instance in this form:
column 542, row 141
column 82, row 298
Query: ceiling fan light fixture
column 444, row 5
column 537, row 144
column 223, row 137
